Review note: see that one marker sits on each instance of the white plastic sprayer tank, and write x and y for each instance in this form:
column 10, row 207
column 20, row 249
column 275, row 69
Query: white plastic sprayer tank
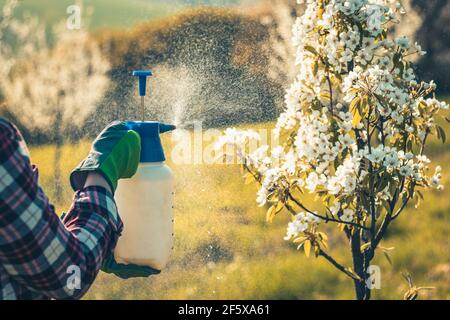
column 145, row 204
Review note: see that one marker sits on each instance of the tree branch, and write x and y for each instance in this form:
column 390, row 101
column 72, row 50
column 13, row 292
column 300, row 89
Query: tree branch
column 338, row 266
column 326, row 219
column 298, row 203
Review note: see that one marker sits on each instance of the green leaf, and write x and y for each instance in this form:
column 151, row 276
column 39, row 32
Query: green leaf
column 409, row 145
column 365, row 201
column 323, row 235
column 307, row 247
column 422, row 106
column 397, row 58
column 312, row 50
column 315, row 67
column 388, row 258
column 317, row 250
column 365, row 246
column 270, row 214
column 386, row 206
column 355, row 110
column 417, row 201
column 402, row 67
column 355, row 104
column 383, row 183
column 273, row 211
column 249, row 178
column 441, row 134
column 300, row 240
column 420, row 194
column 350, row 270
column 325, row 96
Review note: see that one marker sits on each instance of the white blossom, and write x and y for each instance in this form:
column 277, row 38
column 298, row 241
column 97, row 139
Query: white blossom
column 301, row 222
column 348, row 215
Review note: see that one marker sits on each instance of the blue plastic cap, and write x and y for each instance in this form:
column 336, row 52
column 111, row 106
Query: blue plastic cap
column 151, row 147
column 142, row 74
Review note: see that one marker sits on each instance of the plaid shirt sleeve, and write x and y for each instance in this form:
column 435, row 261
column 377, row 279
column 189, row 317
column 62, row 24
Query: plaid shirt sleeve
column 40, row 255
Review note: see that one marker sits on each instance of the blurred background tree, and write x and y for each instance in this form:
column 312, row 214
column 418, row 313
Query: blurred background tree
column 52, row 89
column 434, row 35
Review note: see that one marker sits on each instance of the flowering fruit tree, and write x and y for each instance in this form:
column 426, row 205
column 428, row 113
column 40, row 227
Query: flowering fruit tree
column 353, row 132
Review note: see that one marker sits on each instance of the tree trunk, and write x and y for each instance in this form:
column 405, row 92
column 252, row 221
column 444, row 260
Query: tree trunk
column 58, row 140
column 362, row 291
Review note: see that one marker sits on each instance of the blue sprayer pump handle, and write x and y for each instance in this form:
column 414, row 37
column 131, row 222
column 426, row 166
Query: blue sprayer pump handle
column 149, row 131
column 142, row 75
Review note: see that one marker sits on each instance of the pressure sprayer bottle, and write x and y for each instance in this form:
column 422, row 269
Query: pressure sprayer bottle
column 145, row 202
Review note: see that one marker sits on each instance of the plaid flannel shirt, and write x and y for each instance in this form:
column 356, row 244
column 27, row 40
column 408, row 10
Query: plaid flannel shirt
column 42, row 257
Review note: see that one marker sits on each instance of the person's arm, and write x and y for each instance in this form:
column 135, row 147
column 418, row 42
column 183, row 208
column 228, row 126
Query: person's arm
column 95, row 179
column 39, row 251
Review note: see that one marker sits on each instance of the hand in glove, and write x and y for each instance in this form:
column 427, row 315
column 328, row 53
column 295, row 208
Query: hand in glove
column 126, row 271
column 115, row 154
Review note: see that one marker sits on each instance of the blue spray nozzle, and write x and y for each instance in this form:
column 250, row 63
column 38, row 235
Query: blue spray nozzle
column 166, row 127
column 142, row 75
column 149, row 131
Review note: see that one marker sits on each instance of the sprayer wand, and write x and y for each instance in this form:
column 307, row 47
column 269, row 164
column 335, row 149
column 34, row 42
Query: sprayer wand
column 142, row 75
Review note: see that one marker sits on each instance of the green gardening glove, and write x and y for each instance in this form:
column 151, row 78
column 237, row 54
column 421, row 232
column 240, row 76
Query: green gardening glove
column 115, row 154
column 126, row 271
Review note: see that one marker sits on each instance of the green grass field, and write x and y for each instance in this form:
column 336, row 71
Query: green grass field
column 224, row 249
column 109, row 13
